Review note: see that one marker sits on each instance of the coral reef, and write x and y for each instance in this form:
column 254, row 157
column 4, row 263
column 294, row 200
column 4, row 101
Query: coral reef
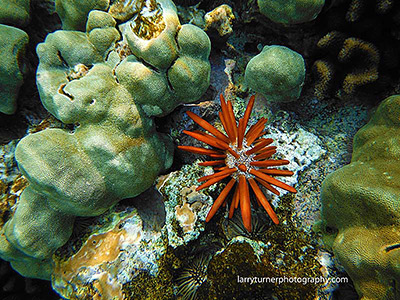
column 12, row 69
column 186, row 208
column 277, row 72
column 358, row 59
column 109, row 91
column 115, row 252
column 83, row 205
column 241, row 160
column 360, row 215
column 131, row 247
column 241, row 258
column 292, row 11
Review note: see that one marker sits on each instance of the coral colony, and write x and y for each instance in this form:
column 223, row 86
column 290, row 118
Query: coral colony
column 243, row 155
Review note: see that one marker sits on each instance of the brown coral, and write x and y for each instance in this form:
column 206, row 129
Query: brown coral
column 351, row 48
column 358, row 59
column 357, row 8
column 323, row 71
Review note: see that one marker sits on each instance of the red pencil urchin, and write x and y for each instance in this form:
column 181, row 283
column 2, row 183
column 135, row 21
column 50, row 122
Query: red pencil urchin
column 243, row 155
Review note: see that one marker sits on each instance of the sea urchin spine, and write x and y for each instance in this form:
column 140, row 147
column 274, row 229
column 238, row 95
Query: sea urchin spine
column 243, row 155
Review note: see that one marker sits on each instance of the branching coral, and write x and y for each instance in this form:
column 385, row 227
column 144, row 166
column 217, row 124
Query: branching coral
column 323, row 71
column 239, row 158
column 359, row 60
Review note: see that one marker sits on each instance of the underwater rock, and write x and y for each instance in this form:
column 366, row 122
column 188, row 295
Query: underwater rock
column 12, row 66
column 359, row 60
column 220, row 19
column 277, row 72
column 114, row 152
column 125, row 253
column 113, row 254
column 8, row 166
column 300, row 147
column 291, row 11
column 244, row 269
column 11, row 182
column 360, row 213
column 186, row 209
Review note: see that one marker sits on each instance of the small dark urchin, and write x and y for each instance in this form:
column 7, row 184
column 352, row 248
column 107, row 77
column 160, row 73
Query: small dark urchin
column 192, row 277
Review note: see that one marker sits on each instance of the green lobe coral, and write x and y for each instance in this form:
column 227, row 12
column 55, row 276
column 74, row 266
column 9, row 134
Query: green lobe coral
column 277, row 72
column 291, row 11
column 73, row 13
column 92, row 80
column 360, row 207
column 14, row 12
column 12, row 50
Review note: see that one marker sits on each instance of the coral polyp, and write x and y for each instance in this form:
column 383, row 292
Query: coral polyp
column 243, row 155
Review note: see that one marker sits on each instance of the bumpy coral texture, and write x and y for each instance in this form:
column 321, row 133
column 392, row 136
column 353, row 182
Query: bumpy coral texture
column 91, row 80
column 277, row 72
column 12, row 50
column 361, row 210
column 15, row 12
column 291, row 11
column 73, row 13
